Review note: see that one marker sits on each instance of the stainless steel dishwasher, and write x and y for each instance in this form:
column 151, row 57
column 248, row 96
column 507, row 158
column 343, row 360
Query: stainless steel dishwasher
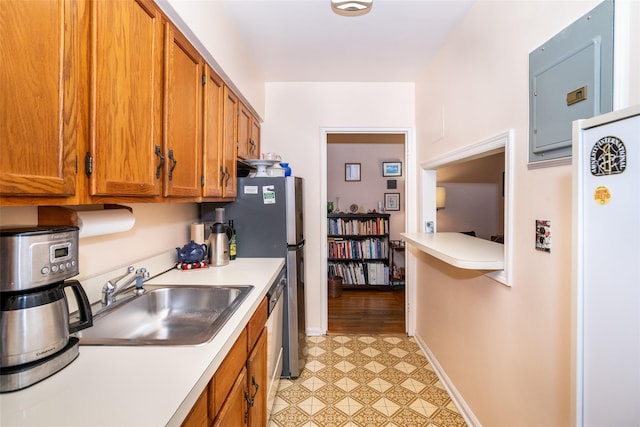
column 275, row 325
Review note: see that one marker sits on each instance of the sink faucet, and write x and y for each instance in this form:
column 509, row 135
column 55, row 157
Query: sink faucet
column 111, row 289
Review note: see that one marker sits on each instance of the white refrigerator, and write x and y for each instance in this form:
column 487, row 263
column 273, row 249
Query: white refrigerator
column 606, row 279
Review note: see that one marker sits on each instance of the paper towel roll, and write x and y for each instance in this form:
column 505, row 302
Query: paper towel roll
column 197, row 233
column 107, row 221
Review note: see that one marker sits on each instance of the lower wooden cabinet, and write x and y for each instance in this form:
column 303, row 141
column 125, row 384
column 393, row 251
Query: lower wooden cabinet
column 257, row 382
column 237, row 393
column 198, row 415
column 226, row 374
column 234, row 411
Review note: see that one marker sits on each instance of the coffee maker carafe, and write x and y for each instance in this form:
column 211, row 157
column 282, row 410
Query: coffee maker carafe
column 218, row 242
column 34, row 312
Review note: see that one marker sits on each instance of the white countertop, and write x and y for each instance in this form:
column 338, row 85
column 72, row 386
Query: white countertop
column 459, row 250
column 141, row 386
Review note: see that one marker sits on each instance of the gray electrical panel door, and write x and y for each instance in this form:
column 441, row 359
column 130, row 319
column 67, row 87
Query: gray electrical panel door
column 570, row 78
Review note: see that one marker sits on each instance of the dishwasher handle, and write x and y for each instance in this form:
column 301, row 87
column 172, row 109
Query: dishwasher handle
column 275, row 292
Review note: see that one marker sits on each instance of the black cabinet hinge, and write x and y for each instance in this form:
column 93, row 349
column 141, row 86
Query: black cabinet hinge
column 88, row 164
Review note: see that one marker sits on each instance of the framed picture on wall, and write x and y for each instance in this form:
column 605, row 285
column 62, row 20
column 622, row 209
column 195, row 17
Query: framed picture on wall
column 352, row 171
column 391, row 168
column 392, row 201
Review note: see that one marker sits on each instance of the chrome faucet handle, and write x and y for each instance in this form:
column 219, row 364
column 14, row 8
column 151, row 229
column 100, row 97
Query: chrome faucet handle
column 113, row 282
column 109, row 288
column 141, row 275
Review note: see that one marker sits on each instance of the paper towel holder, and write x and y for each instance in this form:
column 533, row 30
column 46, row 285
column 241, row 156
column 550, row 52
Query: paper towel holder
column 60, row 215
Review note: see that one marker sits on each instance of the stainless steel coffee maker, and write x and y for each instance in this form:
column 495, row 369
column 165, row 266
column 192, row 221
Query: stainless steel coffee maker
column 34, row 312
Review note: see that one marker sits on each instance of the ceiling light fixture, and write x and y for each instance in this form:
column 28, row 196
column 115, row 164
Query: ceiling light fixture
column 351, row 7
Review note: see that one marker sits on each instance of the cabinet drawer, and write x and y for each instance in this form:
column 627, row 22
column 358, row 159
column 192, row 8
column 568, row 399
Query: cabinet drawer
column 255, row 325
column 227, row 373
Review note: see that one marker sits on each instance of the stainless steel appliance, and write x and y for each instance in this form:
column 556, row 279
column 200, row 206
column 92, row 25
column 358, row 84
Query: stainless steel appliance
column 218, row 240
column 34, row 314
column 268, row 219
column 218, row 245
column 274, row 337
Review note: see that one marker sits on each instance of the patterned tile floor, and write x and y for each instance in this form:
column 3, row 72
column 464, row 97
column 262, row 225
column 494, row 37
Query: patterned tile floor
column 364, row 381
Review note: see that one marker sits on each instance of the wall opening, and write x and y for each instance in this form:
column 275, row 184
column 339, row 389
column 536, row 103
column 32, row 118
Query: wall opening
column 464, row 161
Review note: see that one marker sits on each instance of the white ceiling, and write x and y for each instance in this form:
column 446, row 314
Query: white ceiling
column 303, row 40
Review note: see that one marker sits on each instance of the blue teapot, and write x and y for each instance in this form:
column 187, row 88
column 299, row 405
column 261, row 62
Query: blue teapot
column 192, row 252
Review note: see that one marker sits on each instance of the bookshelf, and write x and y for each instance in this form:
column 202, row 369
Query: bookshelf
column 358, row 250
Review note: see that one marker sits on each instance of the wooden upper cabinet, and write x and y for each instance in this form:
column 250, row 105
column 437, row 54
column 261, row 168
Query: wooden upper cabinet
column 212, row 148
column 244, row 131
column 230, row 139
column 254, row 140
column 39, row 97
column 182, row 116
column 126, row 98
column 248, row 134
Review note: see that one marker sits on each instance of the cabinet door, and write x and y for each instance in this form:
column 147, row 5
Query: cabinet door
column 231, row 105
column 233, row 412
column 126, row 98
column 39, row 97
column 244, row 131
column 213, row 153
column 182, row 117
column 257, row 382
column 254, row 141
column 198, row 415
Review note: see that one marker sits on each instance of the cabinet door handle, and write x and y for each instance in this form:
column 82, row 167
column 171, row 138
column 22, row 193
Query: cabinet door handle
column 174, row 162
column 159, row 154
column 221, row 176
column 228, row 175
column 257, row 386
column 249, row 402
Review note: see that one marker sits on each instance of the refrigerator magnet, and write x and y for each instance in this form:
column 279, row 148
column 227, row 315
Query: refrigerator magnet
column 608, row 157
column 268, row 195
column 602, row 195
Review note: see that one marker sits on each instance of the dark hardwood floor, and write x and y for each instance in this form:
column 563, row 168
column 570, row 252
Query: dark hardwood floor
column 367, row 312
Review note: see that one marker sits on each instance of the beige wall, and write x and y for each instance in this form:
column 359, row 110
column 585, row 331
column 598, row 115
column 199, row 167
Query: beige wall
column 159, row 227
column 296, row 116
column 506, row 350
column 220, row 44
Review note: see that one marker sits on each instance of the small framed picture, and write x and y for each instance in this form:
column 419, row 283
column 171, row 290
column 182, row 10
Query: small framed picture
column 391, row 168
column 392, row 184
column 352, row 171
column 392, row 201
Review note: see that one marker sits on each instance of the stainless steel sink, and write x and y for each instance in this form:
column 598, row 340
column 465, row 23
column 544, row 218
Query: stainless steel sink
column 166, row 315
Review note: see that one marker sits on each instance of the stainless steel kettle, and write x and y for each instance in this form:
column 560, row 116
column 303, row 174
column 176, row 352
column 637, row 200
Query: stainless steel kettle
column 218, row 244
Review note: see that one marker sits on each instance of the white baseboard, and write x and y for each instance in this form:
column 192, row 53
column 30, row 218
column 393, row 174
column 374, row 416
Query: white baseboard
column 462, row 406
column 315, row 332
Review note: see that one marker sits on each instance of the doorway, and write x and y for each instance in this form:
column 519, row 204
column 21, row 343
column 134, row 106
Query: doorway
column 364, row 308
